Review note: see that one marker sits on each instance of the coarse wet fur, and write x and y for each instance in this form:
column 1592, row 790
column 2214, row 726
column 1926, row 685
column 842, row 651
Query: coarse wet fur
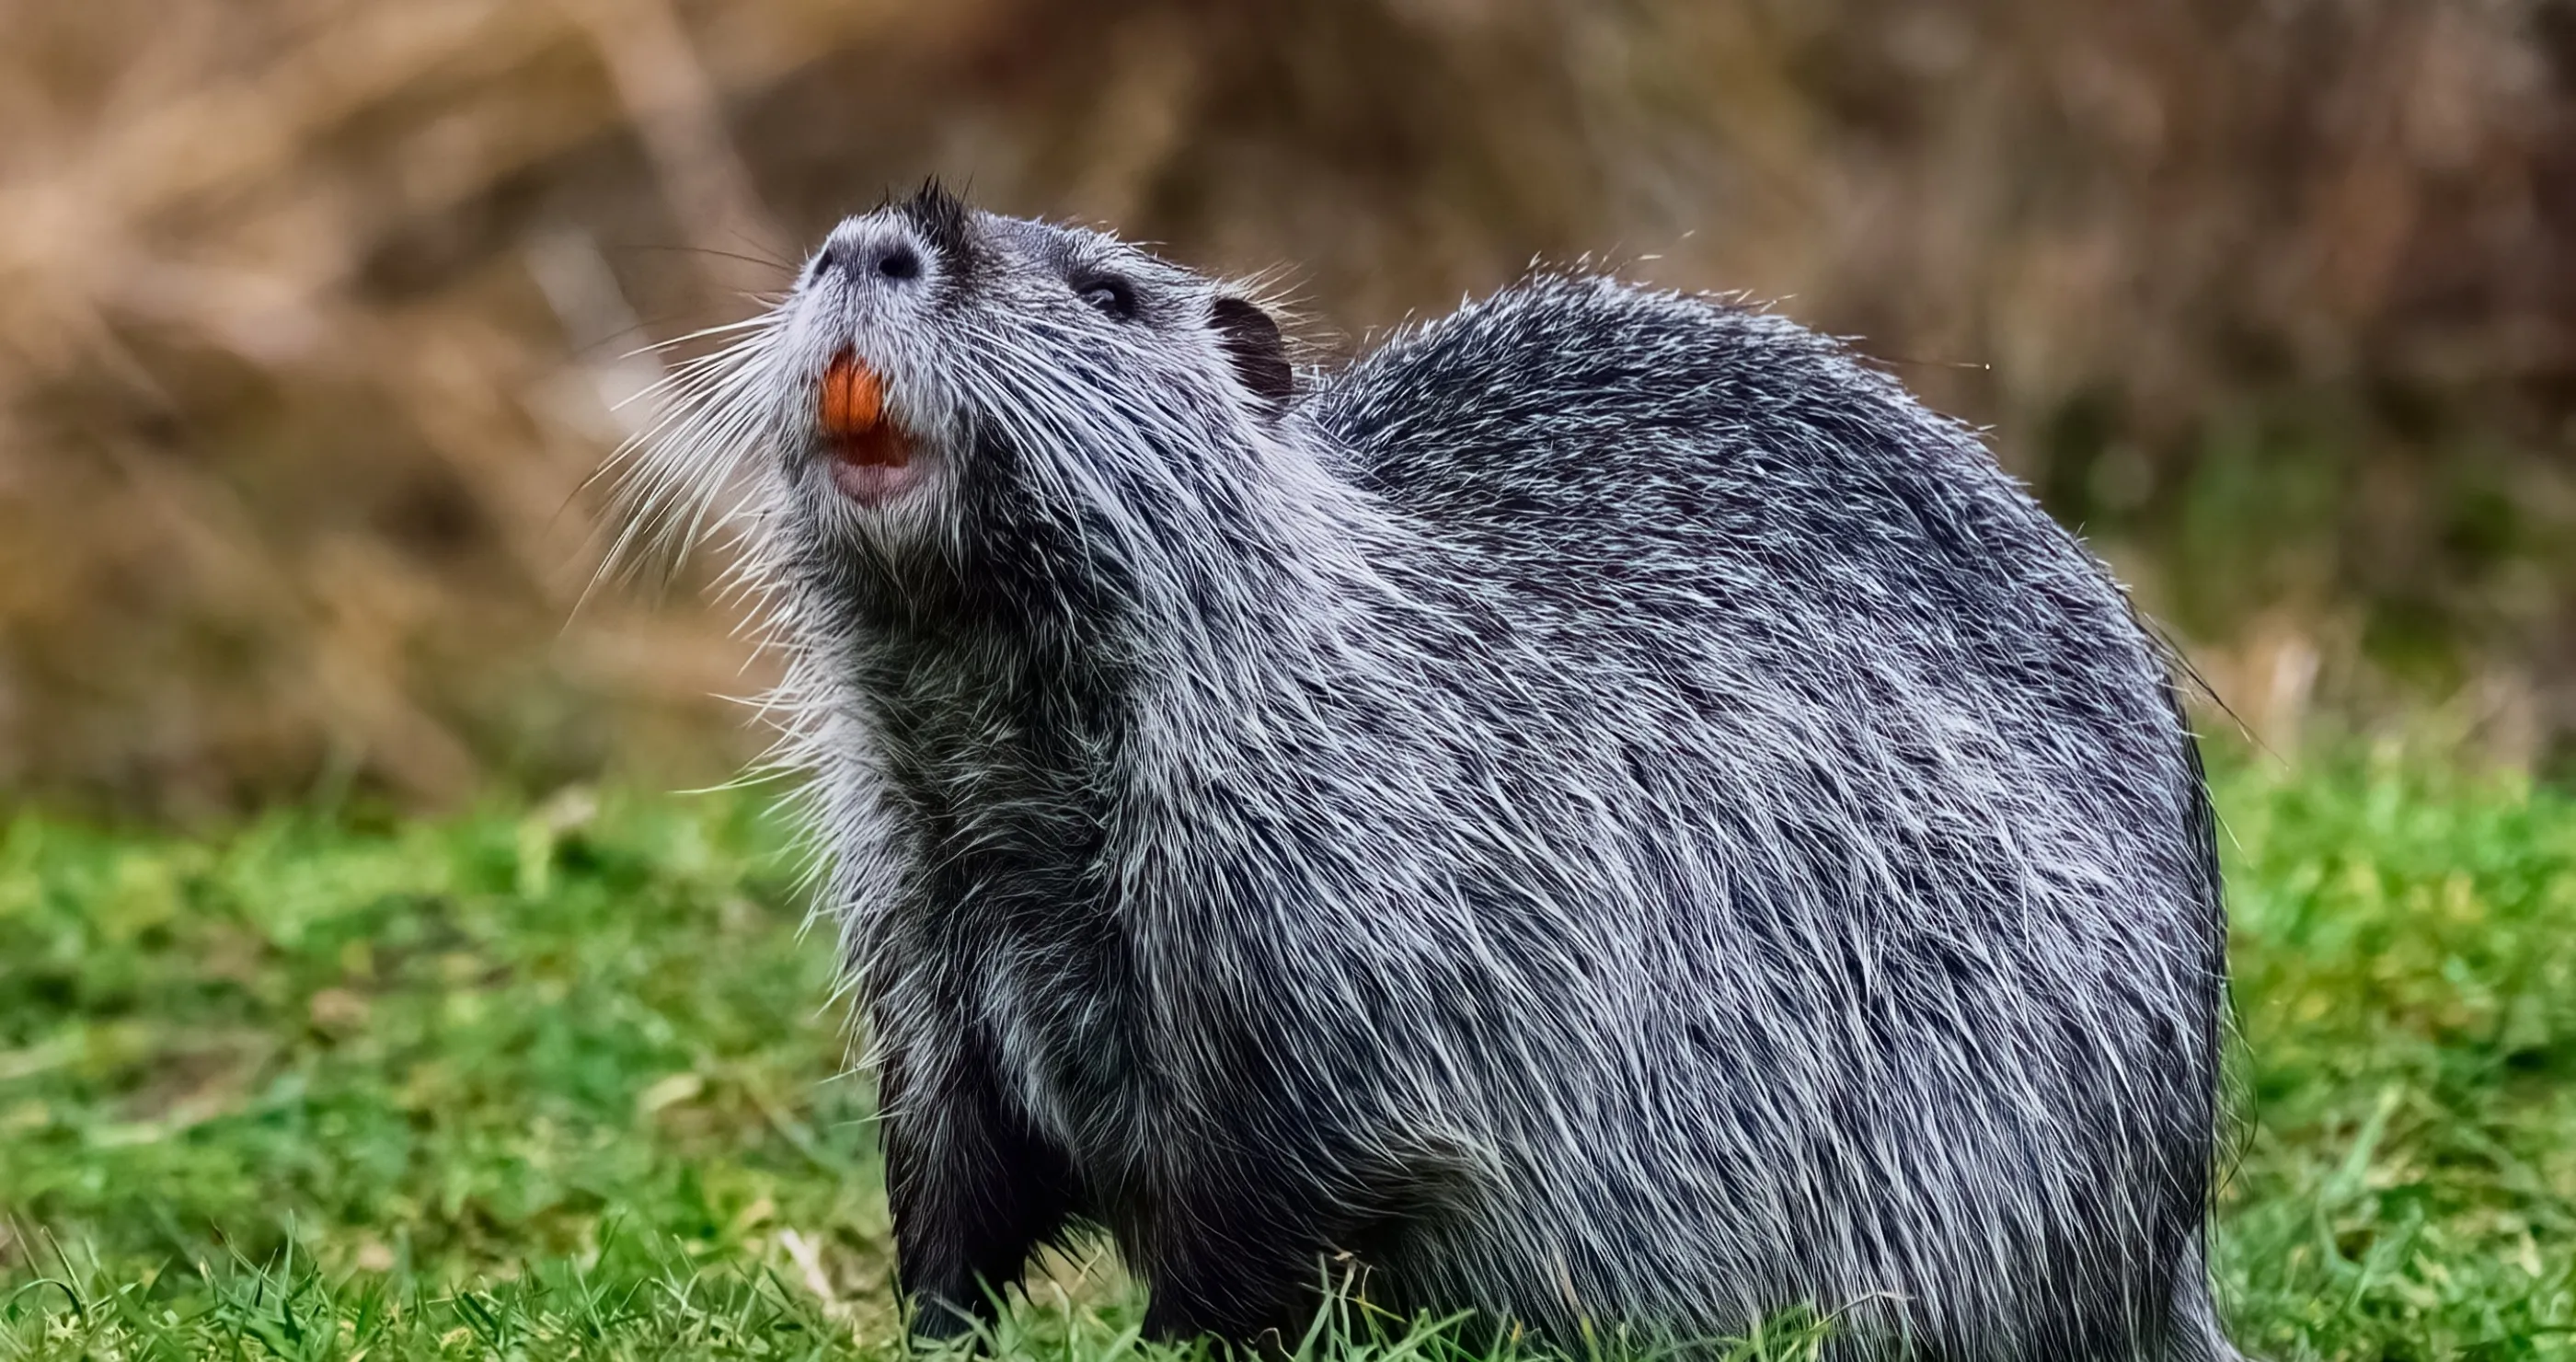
column 1603, row 810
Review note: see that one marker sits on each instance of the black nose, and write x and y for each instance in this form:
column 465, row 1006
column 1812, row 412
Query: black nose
column 886, row 257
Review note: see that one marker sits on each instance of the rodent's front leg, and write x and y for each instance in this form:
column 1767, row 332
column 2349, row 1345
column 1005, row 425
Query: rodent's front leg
column 973, row 1190
column 1231, row 1258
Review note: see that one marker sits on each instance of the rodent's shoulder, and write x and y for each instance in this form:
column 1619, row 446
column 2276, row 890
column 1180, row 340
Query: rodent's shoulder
column 1604, row 413
column 1565, row 389
column 1523, row 353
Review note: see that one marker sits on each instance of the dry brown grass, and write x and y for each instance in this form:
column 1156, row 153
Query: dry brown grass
column 313, row 312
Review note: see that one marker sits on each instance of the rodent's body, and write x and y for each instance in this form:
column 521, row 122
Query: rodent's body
column 1603, row 809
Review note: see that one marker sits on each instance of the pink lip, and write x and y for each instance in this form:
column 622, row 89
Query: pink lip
column 874, row 484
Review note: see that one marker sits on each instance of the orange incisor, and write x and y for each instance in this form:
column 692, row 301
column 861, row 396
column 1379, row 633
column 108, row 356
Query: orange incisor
column 853, row 399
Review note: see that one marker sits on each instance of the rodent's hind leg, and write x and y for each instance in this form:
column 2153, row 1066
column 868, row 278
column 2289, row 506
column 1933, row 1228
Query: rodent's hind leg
column 2194, row 1331
column 973, row 1190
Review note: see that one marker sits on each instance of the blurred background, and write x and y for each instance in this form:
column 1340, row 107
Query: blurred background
column 315, row 315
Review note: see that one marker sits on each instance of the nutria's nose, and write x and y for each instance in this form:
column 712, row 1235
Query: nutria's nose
column 878, row 255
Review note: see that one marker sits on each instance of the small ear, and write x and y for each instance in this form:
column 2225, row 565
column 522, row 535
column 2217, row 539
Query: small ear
column 1252, row 341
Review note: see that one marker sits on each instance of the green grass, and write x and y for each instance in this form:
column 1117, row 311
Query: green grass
column 559, row 1083
column 2405, row 964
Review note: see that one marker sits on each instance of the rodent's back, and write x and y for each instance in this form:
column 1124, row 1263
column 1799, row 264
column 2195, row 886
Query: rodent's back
column 1589, row 438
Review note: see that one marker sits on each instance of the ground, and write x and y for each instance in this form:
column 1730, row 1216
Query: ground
column 559, row 1082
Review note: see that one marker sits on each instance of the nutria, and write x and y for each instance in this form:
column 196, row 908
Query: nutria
column 1601, row 812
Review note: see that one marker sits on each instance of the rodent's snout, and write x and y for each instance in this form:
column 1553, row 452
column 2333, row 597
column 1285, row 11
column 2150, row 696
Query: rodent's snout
column 875, row 255
column 867, row 274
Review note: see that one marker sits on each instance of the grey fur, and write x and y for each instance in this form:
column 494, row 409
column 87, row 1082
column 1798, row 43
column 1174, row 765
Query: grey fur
column 1603, row 808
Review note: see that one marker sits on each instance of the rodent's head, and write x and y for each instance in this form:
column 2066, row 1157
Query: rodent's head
column 955, row 411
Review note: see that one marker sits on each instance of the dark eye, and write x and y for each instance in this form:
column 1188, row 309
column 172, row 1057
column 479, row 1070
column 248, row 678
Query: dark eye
column 1109, row 293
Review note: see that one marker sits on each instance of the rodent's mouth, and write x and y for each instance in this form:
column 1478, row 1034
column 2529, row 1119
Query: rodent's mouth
column 870, row 457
